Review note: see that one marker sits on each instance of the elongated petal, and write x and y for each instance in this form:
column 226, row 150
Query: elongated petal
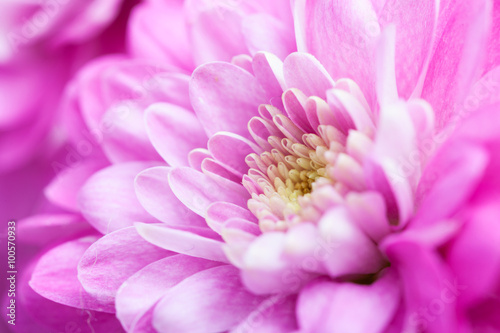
column 155, row 195
column 142, row 290
column 174, row 132
column 183, row 241
column 333, row 307
column 200, row 314
column 108, row 201
column 225, row 97
column 97, row 268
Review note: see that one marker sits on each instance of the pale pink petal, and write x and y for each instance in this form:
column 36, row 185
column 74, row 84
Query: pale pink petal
column 225, row 97
column 154, row 194
column 97, row 269
column 325, row 306
column 345, row 48
column 197, row 191
column 265, row 32
column 274, row 315
column 306, row 73
column 214, row 301
column 182, row 241
column 174, row 132
column 137, row 296
column 386, row 86
column 350, row 250
column 294, row 101
column 222, row 143
column 108, row 200
column 268, row 70
column 220, row 212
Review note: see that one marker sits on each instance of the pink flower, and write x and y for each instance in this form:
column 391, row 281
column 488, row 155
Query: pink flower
column 293, row 199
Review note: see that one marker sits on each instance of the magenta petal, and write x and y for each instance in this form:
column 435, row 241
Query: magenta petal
column 174, row 132
column 42, row 229
column 183, row 241
column 213, row 300
column 97, row 269
column 231, row 149
column 333, row 307
column 225, row 97
column 108, row 200
column 154, row 194
column 475, row 254
column 304, row 72
column 142, row 290
column 457, row 58
column 197, row 191
column 449, row 180
column 274, row 315
column 55, row 276
column 425, row 279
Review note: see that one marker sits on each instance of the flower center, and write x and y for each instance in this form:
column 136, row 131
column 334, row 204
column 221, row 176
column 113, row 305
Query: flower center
column 288, row 181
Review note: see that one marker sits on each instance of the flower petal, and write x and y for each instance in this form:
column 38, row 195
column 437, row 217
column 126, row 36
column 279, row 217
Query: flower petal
column 215, row 301
column 154, row 194
column 225, row 97
column 108, row 200
column 182, row 241
column 97, row 269
column 325, row 306
column 142, row 290
column 174, row 132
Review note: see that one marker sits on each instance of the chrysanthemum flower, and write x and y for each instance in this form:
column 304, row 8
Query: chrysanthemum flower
column 290, row 200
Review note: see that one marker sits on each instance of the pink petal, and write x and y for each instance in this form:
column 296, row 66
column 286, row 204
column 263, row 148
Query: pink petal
column 218, row 213
column 214, row 300
column 350, row 250
column 268, row 70
column 274, row 315
column 415, row 24
column 174, row 132
column 294, row 101
column 215, row 30
column 197, row 191
column 145, row 37
column 97, row 269
column 55, row 276
column 346, row 50
column 368, row 210
column 183, row 242
column 197, row 156
column 304, row 72
column 387, row 90
column 231, row 150
column 43, row 229
column 108, row 200
column 457, row 58
column 265, row 32
column 325, row 306
column 216, row 88
column 393, row 155
column 427, row 285
column 143, row 289
column 154, row 194
column 63, row 189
